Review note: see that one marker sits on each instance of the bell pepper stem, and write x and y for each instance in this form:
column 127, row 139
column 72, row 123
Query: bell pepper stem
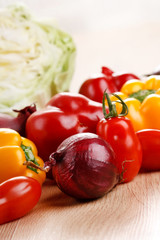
column 31, row 164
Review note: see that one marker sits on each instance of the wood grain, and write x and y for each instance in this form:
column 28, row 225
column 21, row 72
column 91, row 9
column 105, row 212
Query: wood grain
column 129, row 211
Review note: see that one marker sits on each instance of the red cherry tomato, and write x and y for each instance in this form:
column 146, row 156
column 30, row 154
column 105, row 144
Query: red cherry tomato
column 94, row 88
column 119, row 133
column 150, row 142
column 17, row 197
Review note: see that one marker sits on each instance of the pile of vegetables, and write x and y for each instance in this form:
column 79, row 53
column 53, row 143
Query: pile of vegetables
column 88, row 147
column 89, row 142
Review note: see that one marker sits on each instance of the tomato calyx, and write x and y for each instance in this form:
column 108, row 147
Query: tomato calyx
column 112, row 107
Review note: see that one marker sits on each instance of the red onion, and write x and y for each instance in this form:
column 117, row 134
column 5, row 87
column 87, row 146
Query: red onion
column 83, row 166
column 17, row 123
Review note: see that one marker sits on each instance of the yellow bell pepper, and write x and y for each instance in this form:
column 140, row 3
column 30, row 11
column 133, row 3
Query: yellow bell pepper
column 143, row 101
column 15, row 152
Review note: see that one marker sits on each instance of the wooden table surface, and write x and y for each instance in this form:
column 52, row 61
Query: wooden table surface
column 131, row 211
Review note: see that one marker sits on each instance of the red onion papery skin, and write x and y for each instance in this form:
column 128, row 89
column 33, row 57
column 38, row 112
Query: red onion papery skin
column 84, row 166
column 17, row 123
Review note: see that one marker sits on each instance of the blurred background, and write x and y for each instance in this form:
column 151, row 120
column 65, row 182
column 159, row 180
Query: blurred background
column 123, row 35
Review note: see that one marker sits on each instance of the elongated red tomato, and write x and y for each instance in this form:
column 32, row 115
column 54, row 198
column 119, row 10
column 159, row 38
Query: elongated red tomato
column 119, row 133
column 17, row 197
column 150, row 142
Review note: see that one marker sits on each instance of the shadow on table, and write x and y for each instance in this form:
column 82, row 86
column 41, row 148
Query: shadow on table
column 53, row 196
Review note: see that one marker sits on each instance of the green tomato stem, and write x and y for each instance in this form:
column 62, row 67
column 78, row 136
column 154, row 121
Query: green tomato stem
column 112, row 107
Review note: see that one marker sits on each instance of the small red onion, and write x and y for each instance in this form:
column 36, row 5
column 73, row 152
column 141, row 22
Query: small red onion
column 17, row 123
column 83, row 166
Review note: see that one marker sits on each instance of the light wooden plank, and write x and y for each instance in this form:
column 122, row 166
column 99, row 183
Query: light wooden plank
column 129, row 211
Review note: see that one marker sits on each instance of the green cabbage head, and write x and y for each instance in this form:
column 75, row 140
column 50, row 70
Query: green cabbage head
column 36, row 60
